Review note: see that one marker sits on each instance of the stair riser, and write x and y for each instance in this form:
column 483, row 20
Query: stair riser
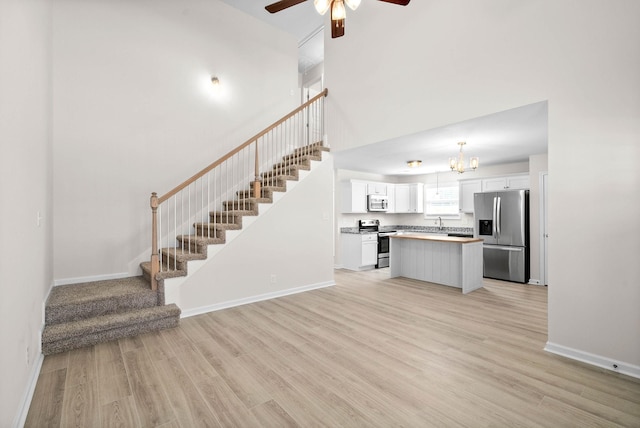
column 294, row 163
column 79, row 311
column 70, row 343
column 240, row 205
column 248, row 194
column 170, row 263
column 304, row 157
column 213, row 231
column 286, row 172
column 200, row 247
column 221, row 218
column 314, row 150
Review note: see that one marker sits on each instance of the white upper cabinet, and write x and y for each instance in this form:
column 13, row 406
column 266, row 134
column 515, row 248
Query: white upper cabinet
column 467, row 189
column 409, row 198
column 377, row 189
column 391, row 197
column 520, row 181
column 354, row 197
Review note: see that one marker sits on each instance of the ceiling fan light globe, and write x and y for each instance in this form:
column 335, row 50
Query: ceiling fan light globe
column 353, row 4
column 322, row 6
column 337, row 10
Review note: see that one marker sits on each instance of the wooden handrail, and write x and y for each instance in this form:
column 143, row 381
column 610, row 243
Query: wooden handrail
column 186, row 183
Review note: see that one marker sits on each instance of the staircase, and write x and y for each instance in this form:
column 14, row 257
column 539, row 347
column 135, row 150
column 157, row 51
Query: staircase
column 80, row 315
column 85, row 314
column 194, row 246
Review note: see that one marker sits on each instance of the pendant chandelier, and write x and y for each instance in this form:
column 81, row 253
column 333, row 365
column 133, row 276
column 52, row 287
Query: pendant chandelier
column 457, row 163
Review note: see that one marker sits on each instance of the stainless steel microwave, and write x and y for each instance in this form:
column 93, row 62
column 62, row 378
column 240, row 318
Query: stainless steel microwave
column 377, row 203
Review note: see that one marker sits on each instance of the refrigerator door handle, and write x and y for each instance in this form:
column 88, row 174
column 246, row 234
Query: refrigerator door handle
column 494, row 232
column 498, row 216
column 498, row 247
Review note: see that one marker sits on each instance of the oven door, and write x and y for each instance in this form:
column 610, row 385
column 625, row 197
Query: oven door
column 383, row 251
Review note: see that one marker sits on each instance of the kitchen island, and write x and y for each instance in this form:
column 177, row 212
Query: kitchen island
column 446, row 260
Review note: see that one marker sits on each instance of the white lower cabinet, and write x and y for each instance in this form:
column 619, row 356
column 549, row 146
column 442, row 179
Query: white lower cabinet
column 359, row 251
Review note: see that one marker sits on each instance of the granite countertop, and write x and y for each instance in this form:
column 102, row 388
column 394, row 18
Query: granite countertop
column 418, row 229
column 440, row 238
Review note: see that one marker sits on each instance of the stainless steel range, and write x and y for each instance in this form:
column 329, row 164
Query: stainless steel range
column 373, row 225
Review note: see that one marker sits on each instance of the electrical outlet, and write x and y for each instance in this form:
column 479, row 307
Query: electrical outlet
column 273, row 278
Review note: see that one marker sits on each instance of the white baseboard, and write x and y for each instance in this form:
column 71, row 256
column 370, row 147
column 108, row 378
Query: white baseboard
column 21, row 417
column 79, row 280
column 239, row 302
column 533, row 281
column 595, row 360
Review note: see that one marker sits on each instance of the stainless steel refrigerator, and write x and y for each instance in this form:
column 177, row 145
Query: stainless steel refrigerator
column 502, row 220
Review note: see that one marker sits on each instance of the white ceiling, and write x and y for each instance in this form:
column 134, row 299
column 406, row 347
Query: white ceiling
column 505, row 137
column 301, row 20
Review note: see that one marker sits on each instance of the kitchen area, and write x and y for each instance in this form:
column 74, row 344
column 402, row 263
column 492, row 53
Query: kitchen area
column 385, row 225
column 407, row 185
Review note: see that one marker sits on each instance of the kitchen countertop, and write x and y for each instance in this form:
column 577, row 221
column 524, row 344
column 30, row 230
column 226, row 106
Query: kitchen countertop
column 440, row 238
column 414, row 229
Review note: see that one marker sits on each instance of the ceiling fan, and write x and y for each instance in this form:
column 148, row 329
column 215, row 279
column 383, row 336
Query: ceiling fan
column 338, row 13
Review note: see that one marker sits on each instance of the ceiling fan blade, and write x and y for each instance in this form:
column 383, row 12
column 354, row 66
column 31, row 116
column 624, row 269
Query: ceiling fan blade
column 281, row 5
column 398, row 2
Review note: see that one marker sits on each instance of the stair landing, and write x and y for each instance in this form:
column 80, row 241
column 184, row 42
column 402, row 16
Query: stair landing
column 85, row 314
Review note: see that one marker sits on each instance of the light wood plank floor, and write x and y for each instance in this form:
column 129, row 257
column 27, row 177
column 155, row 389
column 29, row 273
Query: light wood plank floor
column 370, row 351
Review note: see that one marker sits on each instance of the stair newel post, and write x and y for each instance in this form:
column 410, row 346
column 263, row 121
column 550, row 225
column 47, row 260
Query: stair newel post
column 155, row 262
column 256, row 183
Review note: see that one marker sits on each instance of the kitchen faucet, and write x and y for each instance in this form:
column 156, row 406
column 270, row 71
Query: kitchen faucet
column 440, row 220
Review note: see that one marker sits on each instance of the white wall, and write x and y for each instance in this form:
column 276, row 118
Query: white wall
column 449, row 61
column 25, row 190
column 134, row 113
column 291, row 240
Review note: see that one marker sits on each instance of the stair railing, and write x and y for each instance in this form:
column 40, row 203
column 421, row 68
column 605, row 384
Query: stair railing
column 188, row 205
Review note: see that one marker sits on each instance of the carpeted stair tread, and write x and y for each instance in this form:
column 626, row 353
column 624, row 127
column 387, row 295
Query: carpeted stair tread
column 315, row 155
column 250, row 213
column 225, row 217
column 199, row 241
column 75, row 334
column 167, row 271
column 249, row 204
column 218, row 226
column 304, row 161
column 316, row 147
column 295, row 166
column 182, row 254
column 290, row 173
column 77, row 301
